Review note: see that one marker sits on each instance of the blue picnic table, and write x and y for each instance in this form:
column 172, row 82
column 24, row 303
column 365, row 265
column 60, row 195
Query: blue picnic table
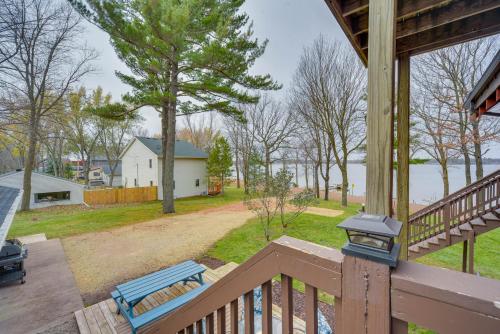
column 129, row 294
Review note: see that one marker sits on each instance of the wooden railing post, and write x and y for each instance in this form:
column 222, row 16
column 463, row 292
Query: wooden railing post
column 365, row 297
column 446, row 221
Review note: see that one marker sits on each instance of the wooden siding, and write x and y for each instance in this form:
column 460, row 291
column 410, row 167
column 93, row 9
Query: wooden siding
column 120, row 195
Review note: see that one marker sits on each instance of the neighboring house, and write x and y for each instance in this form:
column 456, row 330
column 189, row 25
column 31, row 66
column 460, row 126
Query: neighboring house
column 46, row 190
column 96, row 176
column 142, row 167
column 102, row 163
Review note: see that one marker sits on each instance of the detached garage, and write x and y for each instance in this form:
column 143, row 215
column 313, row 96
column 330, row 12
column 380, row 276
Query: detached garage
column 46, row 190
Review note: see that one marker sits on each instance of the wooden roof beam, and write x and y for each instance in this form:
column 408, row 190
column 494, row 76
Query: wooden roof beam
column 467, row 29
column 405, row 7
column 350, row 7
column 336, row 9
column 442, row 14
column 455, row 11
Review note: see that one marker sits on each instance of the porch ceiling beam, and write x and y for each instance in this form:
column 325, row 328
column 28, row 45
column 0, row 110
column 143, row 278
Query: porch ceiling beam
column 441, row 15
column 405, row 8
column 469, row 28
column 336, row 9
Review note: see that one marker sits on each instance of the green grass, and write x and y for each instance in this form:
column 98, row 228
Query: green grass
column 242, row 243
column 61, row 222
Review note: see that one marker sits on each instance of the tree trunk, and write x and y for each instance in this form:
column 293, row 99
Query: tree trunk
column 468, row 177
column 306, row 173
column 316, row 180
column 86, row 168
column 446, row 183
column 169, row 145
column 237, row 163
column 297, row 168
column 327, row 184
column 267, row 162
column 28, row 166
column 345, row 183
column 477, row 150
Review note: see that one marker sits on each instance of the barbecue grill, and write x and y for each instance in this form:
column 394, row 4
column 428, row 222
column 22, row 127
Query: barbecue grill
column 12, row 252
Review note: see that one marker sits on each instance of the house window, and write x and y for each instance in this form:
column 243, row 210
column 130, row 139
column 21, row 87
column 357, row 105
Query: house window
column 150, row 163
column 150, row 183
column 96, row 173
column 52, row 197
column 197, row 182
column 135, row 182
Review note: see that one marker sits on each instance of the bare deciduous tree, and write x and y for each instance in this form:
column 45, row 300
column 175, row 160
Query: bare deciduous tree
column 200, row 132
column 448, row 75
column 435, row 127
column 333, row 81
column 48, row 61
column 272, row 127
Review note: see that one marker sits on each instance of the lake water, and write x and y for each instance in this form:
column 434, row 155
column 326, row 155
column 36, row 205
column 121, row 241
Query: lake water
column 426, row 185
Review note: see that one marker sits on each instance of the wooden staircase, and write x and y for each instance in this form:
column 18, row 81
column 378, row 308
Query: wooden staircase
column 459, row 217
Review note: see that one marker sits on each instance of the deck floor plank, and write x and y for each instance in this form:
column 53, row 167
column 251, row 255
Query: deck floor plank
column 82, row 322
column 104, row 326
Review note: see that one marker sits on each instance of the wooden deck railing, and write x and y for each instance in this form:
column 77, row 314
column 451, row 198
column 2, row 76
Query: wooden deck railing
column 459, row 207
column 450, row 302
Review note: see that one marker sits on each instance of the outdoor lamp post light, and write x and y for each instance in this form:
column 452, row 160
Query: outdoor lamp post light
column 372, row 237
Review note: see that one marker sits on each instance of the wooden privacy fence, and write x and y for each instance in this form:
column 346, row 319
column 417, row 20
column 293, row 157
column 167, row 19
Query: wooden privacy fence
column 369, row 298
column 120, row 195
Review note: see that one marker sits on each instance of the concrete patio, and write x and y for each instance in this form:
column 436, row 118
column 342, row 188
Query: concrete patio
column 47, row 299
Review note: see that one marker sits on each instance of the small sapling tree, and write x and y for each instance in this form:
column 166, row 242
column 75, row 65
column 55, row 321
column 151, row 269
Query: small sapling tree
column 220, row 160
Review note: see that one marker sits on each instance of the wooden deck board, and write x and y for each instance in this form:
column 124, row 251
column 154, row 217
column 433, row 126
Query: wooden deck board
column 102, row 318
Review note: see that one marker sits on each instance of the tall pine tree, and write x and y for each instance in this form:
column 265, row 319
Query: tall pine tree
column 186, row 56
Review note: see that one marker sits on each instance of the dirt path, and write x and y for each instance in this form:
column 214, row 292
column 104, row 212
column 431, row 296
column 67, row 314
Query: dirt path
column 101, row 260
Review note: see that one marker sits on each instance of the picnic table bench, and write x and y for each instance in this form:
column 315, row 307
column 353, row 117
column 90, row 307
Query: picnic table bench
column 129, row 294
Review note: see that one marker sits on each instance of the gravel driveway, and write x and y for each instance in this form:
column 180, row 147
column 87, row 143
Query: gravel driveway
column 101, row 260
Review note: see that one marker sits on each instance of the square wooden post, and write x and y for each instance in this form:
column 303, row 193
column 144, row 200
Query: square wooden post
column 365, row 297
column 381, row 45
column 403, row 133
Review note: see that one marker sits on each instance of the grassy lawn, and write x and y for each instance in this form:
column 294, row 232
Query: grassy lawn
column 242, row 243
column 60, row 222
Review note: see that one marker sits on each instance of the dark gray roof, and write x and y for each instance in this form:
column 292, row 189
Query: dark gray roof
column 7, row 199
column 488, row 77
column 182, row 148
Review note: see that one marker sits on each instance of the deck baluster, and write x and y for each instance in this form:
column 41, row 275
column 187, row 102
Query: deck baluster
column 210, row 324
column 267, row 308
column 234, row 316
column 249, row 313
column 286, row 304
column 311, row 309
column 221, row 320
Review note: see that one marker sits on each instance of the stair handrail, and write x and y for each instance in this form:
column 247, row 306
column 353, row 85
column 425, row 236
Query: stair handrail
column 456, row 194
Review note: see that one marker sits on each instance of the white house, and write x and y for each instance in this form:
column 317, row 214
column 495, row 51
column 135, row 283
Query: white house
column 46, row 190
column 142, row 167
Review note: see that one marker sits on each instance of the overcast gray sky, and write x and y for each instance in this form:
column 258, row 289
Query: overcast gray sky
column 289, row 25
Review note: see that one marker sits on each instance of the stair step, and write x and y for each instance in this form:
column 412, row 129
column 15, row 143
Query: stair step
column 423, row 245
column 490, row 216
column 414, row 249
column 455, row 232
column 477, row 222
column 497, row 211
column 442, row 236
column 465, row 227
column 434, row 241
